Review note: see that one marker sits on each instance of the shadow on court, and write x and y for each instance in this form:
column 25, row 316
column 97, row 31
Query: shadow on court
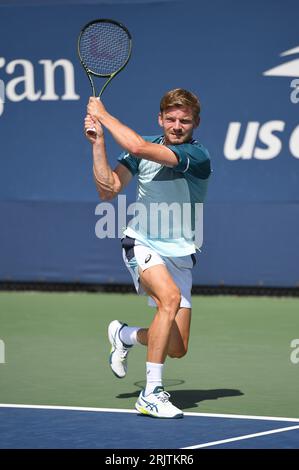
column 190, row 398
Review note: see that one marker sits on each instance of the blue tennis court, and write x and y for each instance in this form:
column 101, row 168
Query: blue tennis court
column 25, row 427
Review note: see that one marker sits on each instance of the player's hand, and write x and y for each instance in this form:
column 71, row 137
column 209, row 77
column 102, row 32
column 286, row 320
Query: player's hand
column 95, row 108
column 91, row 123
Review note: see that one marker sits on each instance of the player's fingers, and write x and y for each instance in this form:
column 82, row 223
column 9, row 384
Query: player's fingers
column 88, row 125
column 88, row 119
column 93, row 103
column 91, row 109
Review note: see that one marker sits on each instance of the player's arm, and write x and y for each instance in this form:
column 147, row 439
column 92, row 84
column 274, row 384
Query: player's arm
column 128, row 139
column 108, row 182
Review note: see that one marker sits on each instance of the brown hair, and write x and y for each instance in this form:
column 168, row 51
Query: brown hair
column 180, row 97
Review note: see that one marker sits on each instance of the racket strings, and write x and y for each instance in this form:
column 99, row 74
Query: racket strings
column 104, row 47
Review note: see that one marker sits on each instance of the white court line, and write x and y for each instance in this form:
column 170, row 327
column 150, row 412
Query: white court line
column 121, row 410
column 247, row 436
column 66, row 408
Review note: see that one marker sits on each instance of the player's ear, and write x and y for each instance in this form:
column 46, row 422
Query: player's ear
column 197, row 121
column 160, row 121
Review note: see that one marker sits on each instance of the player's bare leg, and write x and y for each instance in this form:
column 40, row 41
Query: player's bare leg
column 122, row 338
column 179, row 334
column 159, row 284
column 170, row 328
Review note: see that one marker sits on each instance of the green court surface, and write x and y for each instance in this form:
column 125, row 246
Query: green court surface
column 239, row 359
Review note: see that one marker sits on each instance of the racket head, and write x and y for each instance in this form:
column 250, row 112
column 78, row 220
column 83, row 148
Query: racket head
column 104, row 47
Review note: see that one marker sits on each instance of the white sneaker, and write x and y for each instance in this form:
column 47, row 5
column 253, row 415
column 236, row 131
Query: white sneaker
column 157, row 404
column 119, row 350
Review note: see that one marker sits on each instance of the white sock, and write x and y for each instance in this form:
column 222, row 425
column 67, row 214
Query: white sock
column 128, row 335
column 153, row 376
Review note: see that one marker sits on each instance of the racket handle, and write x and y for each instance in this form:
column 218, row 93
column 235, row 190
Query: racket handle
column 91, row 131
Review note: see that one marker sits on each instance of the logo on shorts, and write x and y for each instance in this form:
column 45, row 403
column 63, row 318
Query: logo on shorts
column 147, row 258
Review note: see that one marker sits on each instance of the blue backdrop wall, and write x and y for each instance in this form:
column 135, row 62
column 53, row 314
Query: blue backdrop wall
column 241, row 58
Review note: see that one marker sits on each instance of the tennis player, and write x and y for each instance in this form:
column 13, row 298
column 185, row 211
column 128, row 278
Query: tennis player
column 170, row 168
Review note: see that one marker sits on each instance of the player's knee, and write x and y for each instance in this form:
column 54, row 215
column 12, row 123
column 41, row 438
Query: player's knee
column 175, row 299
column 171, row 303
column 177, row 354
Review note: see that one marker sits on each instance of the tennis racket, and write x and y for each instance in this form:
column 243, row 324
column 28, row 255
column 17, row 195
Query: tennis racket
column 104, row 49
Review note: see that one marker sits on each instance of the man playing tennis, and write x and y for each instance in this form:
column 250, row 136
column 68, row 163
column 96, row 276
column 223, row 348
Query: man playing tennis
column 171, row 168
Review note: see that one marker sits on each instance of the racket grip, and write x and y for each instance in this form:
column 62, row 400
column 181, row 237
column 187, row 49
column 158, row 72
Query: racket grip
column 92, row 130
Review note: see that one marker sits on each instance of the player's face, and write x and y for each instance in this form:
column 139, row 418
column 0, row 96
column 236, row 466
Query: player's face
column 178, row 124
